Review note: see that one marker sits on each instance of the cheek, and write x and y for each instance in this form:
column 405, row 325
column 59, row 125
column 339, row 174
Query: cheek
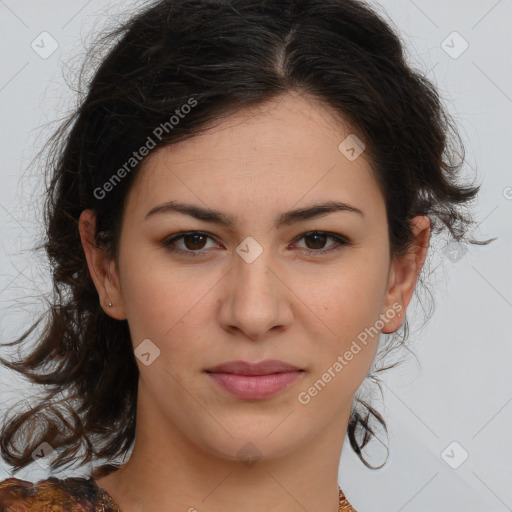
column 352, row 299
column 342, row 359
column 166, row 304
column 350, row 305
column 149, row 286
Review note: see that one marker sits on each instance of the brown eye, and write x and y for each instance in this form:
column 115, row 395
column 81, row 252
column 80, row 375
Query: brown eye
column 192, row 243
column 316, row 241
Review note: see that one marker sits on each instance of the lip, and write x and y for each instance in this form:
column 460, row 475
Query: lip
column 254, row 381
column 265, row 367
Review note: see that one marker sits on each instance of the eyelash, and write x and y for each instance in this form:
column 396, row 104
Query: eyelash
column 340, row 242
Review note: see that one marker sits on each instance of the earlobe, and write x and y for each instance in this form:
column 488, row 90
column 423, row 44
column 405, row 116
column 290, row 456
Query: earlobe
column 103, row 271
column 404, row 272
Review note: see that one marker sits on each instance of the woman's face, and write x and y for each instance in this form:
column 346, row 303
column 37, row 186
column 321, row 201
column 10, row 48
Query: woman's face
column 271, row 285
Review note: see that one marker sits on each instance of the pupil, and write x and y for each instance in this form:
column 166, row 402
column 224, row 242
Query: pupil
column 316, row 236
column 194, row 238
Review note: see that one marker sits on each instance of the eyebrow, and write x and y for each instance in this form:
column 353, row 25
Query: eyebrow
column 286, row 218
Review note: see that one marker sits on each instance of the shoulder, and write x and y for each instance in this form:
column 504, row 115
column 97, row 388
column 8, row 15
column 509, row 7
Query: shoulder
column 73, row 494
column 345, row 506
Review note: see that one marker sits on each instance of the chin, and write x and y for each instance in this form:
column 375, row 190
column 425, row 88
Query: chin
column 265, row 440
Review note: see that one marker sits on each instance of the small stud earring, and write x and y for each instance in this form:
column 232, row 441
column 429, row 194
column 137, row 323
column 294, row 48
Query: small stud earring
column 110, row 304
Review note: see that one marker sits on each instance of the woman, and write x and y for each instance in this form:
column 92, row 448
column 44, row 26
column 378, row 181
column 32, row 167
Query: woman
column 238, row 209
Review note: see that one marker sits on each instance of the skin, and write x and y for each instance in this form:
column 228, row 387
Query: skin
column 302, row 309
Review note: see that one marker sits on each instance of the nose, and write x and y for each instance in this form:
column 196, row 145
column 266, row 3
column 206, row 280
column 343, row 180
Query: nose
column 256, row 299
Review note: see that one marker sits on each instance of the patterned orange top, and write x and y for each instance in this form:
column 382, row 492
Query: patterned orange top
column 73, row 494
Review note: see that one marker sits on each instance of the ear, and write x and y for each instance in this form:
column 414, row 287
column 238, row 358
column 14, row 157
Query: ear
column 102, row 269
column 403, row 274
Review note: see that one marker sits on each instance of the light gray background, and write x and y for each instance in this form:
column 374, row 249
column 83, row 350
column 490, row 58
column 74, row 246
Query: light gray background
column 462, row 389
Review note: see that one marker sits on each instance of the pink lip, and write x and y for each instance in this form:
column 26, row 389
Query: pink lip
column 255, row 381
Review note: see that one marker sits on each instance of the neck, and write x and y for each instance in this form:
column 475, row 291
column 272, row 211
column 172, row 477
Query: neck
column 167, row 471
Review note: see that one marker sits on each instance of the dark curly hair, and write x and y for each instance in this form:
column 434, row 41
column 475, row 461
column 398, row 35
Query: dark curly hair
column 224, row 55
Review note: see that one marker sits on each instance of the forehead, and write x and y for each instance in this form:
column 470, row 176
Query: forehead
column 291, row 150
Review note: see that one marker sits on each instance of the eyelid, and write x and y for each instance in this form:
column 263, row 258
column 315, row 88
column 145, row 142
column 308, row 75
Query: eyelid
column 328, row 234
column 340, row 241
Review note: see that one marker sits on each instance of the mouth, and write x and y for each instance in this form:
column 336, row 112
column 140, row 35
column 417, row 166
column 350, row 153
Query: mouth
column 255, row 381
